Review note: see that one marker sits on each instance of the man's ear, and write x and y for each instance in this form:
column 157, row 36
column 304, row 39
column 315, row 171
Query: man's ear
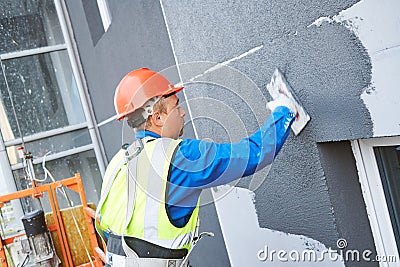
column 157, row 119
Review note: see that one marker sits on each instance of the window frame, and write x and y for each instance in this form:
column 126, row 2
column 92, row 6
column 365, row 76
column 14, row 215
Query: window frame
column 68, row 45
column 105, row 13
column 374, row 195
column 68, row 34
column 89, row 121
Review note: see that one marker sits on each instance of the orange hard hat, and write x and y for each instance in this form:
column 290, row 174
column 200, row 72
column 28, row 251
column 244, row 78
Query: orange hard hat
column 139, row 86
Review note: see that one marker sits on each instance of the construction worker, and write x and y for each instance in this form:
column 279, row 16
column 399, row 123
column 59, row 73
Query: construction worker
column 149, row 205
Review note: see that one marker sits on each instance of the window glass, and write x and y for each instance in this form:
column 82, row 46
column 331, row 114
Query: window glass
column 44, row 94
column 84, row 163
column 27, row 24
column 388, row 159
column 52, row 144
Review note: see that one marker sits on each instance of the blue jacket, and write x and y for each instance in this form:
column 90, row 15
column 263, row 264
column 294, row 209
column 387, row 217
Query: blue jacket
column 199, row 164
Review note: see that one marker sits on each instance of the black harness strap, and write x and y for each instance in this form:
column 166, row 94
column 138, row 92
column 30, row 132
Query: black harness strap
column 143, row 248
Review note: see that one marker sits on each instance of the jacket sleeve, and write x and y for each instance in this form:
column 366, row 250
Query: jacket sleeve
column 200, row 164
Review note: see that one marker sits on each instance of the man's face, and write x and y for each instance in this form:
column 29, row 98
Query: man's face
column 173, row 118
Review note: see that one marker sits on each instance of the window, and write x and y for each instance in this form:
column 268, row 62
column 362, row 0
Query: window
column 28, row 24
column 104, row 13
column 388, row 160
column 378, row 163
column 98, row 18
column 42, row 105
column 43, row 91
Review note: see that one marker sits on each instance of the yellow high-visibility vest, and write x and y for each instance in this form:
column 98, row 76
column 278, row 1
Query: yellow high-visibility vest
column 149, row 221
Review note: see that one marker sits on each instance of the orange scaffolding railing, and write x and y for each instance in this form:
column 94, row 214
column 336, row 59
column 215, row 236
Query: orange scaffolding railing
column 75, row 184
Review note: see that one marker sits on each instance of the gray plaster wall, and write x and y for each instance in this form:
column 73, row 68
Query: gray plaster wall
column 328, row 66
column 329, row 69
column 137, row 37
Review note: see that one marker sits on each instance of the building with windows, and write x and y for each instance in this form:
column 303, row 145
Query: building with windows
column 43, row 101
column 337, row 181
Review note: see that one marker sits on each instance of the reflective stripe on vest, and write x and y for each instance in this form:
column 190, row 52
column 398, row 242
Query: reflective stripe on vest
column 150, row 220
column 112, row 174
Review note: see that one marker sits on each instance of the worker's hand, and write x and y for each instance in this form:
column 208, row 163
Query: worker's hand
column 282, row 100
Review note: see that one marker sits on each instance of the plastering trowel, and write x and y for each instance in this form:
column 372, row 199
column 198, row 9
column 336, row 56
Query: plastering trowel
column 279, row 86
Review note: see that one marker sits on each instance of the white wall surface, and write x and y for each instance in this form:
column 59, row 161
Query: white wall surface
column 249, row 245
column 377, row 24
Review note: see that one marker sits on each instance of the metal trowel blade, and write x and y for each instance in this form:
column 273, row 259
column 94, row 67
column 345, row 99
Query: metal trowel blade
column 278, row 86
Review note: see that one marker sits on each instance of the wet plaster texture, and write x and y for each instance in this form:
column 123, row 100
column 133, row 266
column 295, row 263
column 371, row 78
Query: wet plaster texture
column 328, row 68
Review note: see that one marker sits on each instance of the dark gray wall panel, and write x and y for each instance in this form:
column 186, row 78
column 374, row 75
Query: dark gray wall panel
column 348, row 204
column 294, row 197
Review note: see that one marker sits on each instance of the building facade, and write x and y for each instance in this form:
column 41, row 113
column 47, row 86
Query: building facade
column 333, row 187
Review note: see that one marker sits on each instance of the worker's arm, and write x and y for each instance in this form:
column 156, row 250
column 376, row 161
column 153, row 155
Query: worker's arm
column 201, row 164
